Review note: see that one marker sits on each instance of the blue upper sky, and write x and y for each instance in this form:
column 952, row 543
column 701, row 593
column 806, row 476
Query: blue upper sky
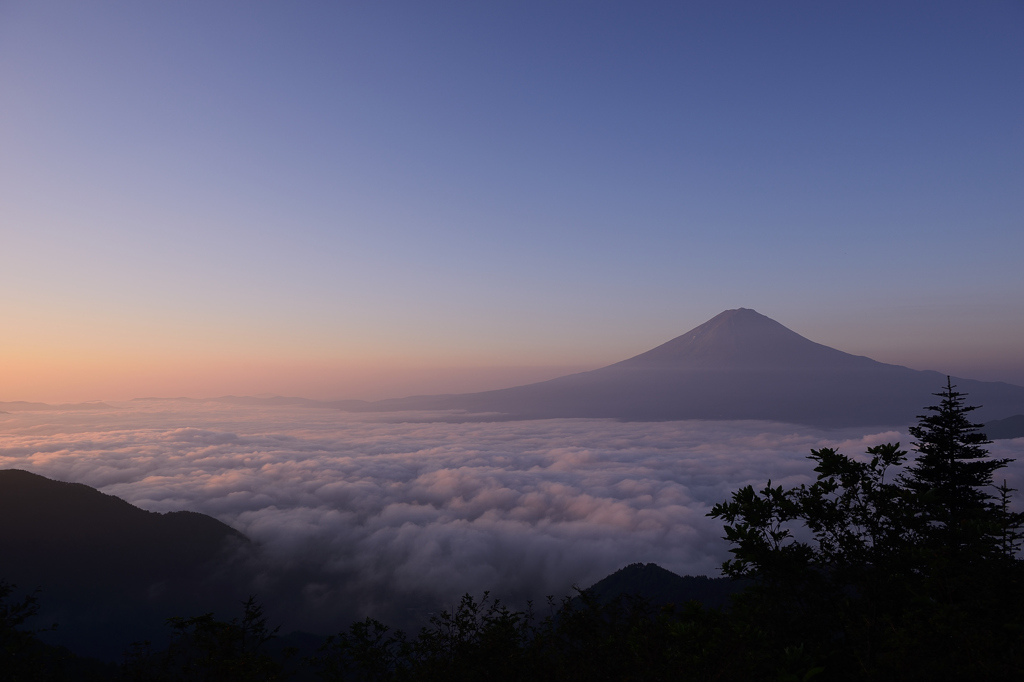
column 509, row 183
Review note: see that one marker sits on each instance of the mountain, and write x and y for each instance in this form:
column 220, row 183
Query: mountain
column 738, row 365
column 661, row 586
column 108, row 572
column 1011, row 427
column 267, row 401
column 23, row 406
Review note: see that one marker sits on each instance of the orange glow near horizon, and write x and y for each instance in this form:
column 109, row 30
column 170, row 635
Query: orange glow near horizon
column 66, row 381
column 68, row 356
column 58, row 359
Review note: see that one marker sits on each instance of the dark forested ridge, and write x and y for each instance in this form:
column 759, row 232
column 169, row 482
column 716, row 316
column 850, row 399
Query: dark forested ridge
column 109, row 570
column 53, row 522
column 660, row 587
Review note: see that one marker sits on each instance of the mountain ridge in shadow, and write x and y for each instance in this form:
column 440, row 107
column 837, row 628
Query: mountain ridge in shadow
column 109, row 572
column 1005, row 429
column 660, row 586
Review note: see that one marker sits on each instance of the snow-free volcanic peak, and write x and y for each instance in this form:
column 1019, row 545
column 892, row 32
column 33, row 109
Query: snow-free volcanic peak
column 737, row 365
column 743, row 338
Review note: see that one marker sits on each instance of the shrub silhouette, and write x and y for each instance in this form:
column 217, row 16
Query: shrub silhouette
column 878, row 575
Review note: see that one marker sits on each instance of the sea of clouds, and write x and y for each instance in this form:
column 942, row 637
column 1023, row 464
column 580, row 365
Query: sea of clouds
column 364, row 514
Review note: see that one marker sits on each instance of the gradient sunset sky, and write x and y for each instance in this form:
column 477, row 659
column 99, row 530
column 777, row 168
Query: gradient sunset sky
column 375, row 199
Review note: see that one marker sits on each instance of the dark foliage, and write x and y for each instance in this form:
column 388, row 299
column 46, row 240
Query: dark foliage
column 581, row 638
column 877, row 575
column 957, row 515
column 205, row 649
column 24, row 658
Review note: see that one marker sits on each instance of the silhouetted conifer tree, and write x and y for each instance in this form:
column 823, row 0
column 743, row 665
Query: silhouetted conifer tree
column 952, row 478
column 881, row 577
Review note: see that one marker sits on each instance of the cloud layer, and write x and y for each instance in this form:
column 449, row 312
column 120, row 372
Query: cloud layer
column 359, row 516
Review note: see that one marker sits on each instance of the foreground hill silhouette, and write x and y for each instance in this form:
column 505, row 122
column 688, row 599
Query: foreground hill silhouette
column 738, row 365
column 659, row 586
column 109, row 572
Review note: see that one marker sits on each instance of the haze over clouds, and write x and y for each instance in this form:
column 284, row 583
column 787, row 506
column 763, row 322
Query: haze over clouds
column 358, row 515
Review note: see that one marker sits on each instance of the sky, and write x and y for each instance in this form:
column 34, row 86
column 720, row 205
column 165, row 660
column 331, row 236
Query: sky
column 368, row 200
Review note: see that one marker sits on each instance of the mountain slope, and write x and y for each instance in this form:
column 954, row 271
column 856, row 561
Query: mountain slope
column 743, row 339
column 109, row 572
column 1011, row 427
column 661, row 586
column 738, row 365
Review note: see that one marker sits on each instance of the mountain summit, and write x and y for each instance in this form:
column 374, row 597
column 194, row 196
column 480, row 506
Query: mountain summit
column 737, row 365
column 742, row 339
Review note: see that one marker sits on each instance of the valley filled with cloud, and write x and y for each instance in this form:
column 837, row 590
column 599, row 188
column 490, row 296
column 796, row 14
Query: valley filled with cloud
column 392, row 515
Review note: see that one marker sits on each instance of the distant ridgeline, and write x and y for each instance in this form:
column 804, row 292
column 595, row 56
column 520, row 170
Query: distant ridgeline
column 110, row 573
column 1003, row 429
column 24, row 406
